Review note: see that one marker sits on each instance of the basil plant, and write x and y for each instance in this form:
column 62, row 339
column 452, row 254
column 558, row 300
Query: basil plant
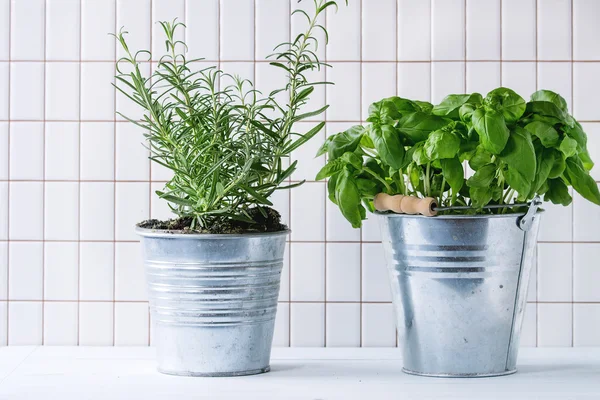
column 515, row 149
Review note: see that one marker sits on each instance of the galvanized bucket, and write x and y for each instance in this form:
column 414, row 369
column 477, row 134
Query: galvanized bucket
column 213, row 300
column 459, row 287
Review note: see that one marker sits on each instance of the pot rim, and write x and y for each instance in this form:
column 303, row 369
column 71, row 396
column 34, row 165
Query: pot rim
column 454, row 216
column 166, row 234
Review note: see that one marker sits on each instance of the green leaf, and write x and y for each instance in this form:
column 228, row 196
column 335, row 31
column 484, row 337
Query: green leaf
column 511, row 105
column 442, row 144
column 558, row 167
column 546, row 133
column 483, row 177
column 348, row 199
column 481, row 196
column 546, row 108
column 581, row 180
column 519, row 155
column 568, row 146
column 450, row 105
column 418, row 125
column 480, row 158
column 588, row 164
column 419, row 156
column 558, row 192
column 425, row 106
column 547, row 95
column 465, row 112
column 331, row 184
column 323, row 149
column 545, row 160
column 492, row 130
column 336, row 165
column 576, row 132
column 452, row 170
column 387, row 143
column 368, row 187
column 303, row 138
column 346, row 141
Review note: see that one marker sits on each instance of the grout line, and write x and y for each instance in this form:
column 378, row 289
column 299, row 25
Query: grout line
column 501, row 41
column 360, row 85
column 325, row 217
column 465, row 44
column 8, row 173
column 290, row 215
column 573, row 207
column 397, row 95
column 537, row 78
column 149, row 151
column 333, row 61
column 79, row 185
column 114, row 247
column 44, row 171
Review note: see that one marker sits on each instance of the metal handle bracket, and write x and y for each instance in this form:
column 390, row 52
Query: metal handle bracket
column 526, row 220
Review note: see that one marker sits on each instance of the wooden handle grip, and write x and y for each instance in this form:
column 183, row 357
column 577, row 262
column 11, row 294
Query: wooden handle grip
column 405, row 204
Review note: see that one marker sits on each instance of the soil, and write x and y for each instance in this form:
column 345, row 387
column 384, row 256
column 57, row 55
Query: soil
column 270, row 223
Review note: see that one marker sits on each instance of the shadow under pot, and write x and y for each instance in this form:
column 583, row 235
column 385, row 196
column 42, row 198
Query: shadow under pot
column 459, row 288
column 213, row 300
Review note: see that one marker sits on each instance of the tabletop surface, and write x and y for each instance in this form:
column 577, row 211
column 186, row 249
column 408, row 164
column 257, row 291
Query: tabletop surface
column 128, row 373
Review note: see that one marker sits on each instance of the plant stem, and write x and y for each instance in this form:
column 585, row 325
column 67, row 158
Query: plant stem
column 387, row 186
column 426, row 182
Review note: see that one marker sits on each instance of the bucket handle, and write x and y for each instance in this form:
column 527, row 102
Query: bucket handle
column 526, row 221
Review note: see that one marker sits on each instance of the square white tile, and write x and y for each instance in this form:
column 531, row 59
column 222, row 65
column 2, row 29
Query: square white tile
column 97, row 93
column 135, row 16
column 586, row 272
column 343, row 271
column 586, row 84
column 370, row 231
column 96, row 324
column 529, row 329
column 585, row 30
column 130, row 280
column 379, row 30
column 61, row 271
column 131, row 324
column 132, row 156
column 518, row 29
column 272, row 18
column 61, row 211
column 307, row 272
column 586, row 220
column 3, row 271
column 338, row 228
column 281, row 336
column 3, row 323
column 196, row 34
column 520, row 77
column 375, row 279
column 27, row 29
column 62, row 29
column 448, row 30
column 4, row 151
column 586, row 325
column 27, row 91
column 307, row 322
column 344, row 97
column 97, row 211
column 593, row 135
column 554, row 269
column 343, row 325
column 237, row 30
column 97, row 150
column 556, row 224
column 24, row 323
column 414, row 81
column 482, row 77
column 60, row 324
column 97, row 19
column 62, row 151
column 62, row 91
column 4, row 210
column 483, row 30
column 132, row 206
column 4, row 96
column 378, row 82
column 26, row 150
column 25, row 212
column 378, row 325
column 554, row 29
column 308, row 212
column 446, row 78
column 414, row 21
column 554, row 325
column 556, row 76
column 345, row 38
column 166, row 10
column 284, row 288
column 25, row 266
column 5, row 31
column 96, row 271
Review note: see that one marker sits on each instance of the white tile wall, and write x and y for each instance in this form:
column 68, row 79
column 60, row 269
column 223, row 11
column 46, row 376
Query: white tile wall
column 74, row 177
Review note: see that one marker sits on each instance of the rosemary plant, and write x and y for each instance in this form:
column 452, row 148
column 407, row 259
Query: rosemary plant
column 225, row 142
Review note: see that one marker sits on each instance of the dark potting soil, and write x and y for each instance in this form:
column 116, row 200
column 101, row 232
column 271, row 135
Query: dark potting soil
column 270, row 223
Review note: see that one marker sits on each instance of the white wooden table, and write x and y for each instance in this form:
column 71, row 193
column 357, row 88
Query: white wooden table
column 128, row 373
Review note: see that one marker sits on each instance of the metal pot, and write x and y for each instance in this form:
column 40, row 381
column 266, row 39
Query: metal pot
column 213, row 300
column 459, row 287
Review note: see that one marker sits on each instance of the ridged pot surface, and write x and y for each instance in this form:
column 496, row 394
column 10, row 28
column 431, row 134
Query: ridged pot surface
column 459, row 287
column 213, row 300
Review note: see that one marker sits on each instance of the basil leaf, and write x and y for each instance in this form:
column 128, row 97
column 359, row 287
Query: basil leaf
column 480, row 158
column 558, row 167
column 347, row 197
column 387, row 143
column 450, row 105
column 442, row 144
column 491, row 128
column 546, row 133
column 483, row 177
column 465, row 112
column 417, row 126
column 576, row 132
column 368, row 187
column 547, row 109
column 511, row 105
column 425, row 106
column 344, row 142
column 544, row 163
column 588, row 164
column 452, row 169
column 336, row 165
column 558, row 192
column 519, row 155
column 581, row 180
column 568, row 146
column 419, row 156
column 547, row 95
column 331, row 184
column 480, row 196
